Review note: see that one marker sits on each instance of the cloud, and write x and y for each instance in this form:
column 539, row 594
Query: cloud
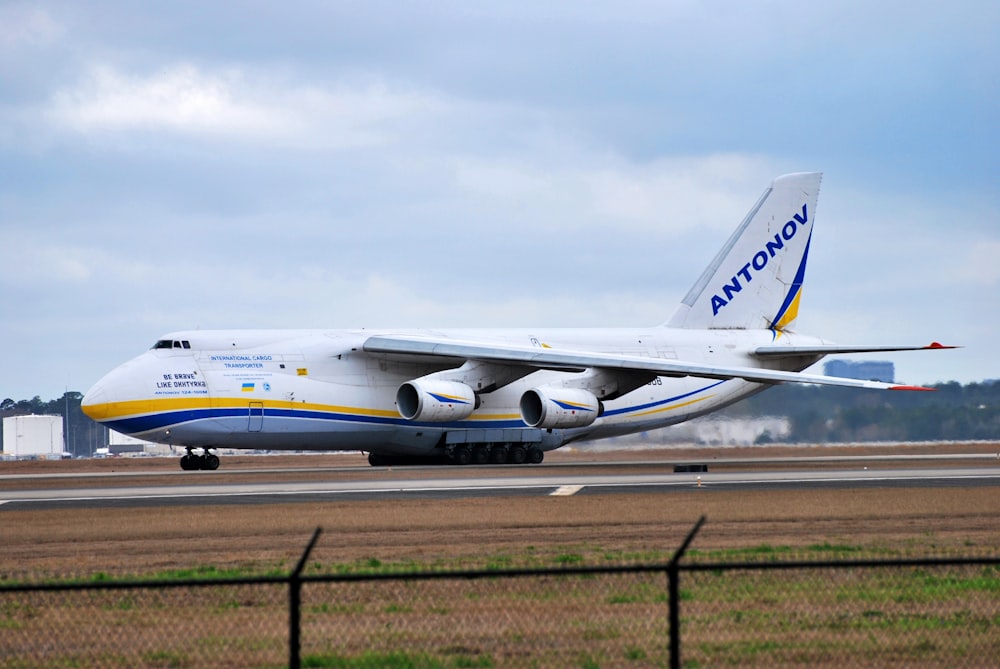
column 662, row 198
column 181, row 98
column 26, row 26
column 980, row 266
column 37, row 262
column 232, row 104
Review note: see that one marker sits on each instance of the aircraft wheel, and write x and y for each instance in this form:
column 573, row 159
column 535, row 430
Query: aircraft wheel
column 498, row 454
column 210, row 462
column 187, row 463
column 535, row 456
column 480, row 455
column 461, row 455
column 517, row 455
column 376, row 460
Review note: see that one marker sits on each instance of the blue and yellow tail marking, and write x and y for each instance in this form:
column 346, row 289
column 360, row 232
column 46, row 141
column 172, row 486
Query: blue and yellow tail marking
column 789, row 309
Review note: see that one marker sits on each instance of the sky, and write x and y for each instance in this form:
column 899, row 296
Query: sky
column 181, row 165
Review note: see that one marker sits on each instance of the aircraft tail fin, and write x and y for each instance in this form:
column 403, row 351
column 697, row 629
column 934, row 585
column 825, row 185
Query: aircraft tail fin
column 755, row 281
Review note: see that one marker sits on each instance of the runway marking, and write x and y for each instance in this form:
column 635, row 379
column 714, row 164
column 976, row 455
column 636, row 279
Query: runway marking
column 539, row 485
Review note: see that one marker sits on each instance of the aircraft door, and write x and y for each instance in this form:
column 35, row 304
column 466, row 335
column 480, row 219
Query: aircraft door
column 256, row 423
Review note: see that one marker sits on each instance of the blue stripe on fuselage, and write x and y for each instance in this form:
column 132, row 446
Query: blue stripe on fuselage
column 166, row 419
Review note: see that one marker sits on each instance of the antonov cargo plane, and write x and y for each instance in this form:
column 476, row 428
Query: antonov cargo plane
column 499, row 396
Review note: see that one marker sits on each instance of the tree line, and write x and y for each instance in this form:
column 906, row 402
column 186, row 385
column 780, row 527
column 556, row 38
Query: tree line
column 824, row 414
column 817, row 414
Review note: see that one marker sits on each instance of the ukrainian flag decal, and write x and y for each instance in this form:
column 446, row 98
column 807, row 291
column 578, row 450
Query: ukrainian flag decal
column 248, row 387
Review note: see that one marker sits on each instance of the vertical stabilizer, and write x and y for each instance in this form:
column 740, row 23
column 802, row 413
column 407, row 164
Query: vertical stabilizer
column 755, row 281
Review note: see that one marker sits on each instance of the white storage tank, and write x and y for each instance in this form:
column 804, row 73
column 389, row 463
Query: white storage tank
column 33, row 436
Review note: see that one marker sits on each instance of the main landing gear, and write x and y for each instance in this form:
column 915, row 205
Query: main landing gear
column 464, row 454
column 497, row 454
column 190, row 461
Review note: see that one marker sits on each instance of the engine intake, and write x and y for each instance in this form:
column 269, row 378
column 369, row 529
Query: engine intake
column 434, row 400
column 548, row 407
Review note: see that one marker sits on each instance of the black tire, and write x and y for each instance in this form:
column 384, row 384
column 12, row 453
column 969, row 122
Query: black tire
column 535, row 456
column 210, row 462
column 480, row 455
column 498, row 455
column 517, row 455
column 461, row 455
column 186, row 463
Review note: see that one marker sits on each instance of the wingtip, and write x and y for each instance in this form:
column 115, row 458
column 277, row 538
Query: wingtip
column 920, row 388
column 938, row 345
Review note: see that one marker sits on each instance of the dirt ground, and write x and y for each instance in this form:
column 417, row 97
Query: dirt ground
column 473, row 531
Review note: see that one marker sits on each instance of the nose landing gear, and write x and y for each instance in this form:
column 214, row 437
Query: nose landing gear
column 191, row 462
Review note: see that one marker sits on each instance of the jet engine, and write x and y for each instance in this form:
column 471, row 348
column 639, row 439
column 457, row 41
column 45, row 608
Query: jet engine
column 548, row 407
column 435, row 400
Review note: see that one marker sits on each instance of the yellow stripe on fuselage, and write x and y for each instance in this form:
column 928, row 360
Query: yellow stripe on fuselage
column 131, row 408
column 673, row 406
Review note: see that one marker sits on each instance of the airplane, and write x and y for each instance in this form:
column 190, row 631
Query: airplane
column 462, row 396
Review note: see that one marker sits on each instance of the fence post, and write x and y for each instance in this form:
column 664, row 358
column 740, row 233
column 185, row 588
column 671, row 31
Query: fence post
column 294, row 605
column 673, row 589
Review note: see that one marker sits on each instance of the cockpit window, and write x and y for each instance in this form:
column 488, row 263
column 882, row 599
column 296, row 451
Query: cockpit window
column 172, row 343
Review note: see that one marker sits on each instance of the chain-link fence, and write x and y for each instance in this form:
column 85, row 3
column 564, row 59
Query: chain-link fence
column 932, row 613
column 914, row 613
column 236, row 624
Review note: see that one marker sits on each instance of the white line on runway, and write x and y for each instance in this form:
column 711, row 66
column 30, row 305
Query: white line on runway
column 544, row 485
column 566, row 490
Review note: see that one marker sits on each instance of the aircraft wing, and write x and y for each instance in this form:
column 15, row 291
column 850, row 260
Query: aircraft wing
column 792, row 351
column 429, row 348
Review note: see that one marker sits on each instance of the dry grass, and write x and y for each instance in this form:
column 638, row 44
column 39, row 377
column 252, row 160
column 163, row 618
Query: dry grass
column 470, row 531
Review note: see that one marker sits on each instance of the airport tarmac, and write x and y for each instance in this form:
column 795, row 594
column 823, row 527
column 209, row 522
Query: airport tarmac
column 351, row 480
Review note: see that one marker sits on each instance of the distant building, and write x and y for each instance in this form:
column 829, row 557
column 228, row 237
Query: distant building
column 875, row 370
column 33, row 437
column 123, row 444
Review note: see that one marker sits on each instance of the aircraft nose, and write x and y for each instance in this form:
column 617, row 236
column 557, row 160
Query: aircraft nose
column 94, row 403
column 115, row 387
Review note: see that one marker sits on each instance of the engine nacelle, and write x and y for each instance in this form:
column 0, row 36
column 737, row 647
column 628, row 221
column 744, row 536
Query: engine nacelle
column 435, row 400
column 548, row 407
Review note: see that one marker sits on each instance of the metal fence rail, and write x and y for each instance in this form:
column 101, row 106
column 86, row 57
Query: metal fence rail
column 910, row 612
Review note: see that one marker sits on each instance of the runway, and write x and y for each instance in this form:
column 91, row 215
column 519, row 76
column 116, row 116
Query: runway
column 280, row 485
